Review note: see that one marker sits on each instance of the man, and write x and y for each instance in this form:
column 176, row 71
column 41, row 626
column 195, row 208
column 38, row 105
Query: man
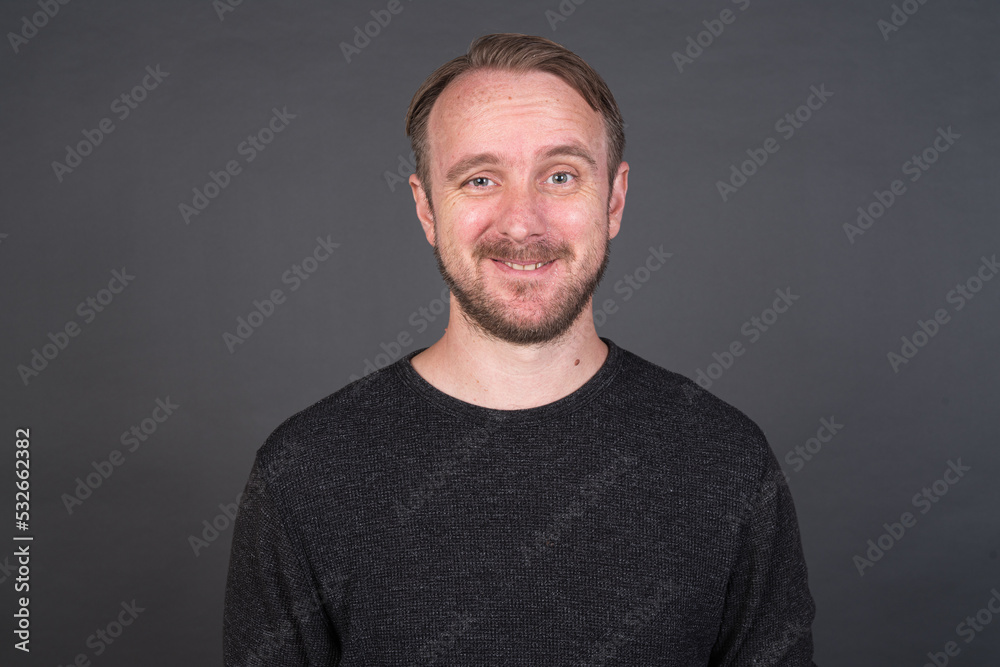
column 522, row 492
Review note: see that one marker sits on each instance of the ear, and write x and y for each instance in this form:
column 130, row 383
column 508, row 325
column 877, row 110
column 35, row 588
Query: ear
column 616, row 201
column 424, row 213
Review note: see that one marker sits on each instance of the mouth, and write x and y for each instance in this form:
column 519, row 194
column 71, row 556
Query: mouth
column 528, row 267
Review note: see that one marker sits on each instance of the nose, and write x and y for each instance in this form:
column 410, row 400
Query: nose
column 521, row 214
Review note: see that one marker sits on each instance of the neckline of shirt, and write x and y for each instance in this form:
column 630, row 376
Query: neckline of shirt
column 459, row 408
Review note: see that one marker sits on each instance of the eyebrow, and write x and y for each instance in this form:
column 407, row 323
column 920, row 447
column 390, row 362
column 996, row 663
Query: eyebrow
column 573, row 150
column 468, row 163
column 471, row 162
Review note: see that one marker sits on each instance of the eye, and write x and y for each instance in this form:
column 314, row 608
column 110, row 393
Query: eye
column 562, row 177
column 481, row 181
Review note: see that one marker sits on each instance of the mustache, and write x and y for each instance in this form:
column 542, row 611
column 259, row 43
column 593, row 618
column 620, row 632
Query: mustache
column 522, row 254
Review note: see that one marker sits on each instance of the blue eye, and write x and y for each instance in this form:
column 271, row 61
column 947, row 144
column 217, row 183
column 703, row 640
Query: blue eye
column 566, row 175
column 480, row 181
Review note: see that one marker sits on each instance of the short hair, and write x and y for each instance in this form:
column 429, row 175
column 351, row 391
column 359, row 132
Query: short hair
column 514, row 52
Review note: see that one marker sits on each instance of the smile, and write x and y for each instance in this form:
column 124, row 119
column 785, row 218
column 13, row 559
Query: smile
column 524, row 267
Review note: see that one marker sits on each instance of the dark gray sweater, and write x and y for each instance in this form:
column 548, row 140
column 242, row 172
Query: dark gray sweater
column 638, row 521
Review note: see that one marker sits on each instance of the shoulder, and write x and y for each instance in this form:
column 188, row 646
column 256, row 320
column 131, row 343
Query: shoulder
column 708, row 425
column 317, row 433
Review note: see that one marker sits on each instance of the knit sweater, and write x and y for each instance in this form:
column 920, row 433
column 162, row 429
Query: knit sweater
column 640, row 520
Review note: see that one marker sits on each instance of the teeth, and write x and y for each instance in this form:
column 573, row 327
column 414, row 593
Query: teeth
column 525, row 267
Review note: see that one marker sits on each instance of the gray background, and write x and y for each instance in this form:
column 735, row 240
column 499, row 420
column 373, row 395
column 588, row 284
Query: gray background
column 325, row 176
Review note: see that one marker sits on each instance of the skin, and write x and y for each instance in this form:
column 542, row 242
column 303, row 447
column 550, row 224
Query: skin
column 517, row 340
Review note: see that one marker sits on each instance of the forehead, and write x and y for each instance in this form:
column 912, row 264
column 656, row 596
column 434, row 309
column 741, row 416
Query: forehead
column 491, row 110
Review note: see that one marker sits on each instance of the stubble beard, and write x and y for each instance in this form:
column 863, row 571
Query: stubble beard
column 493, row 318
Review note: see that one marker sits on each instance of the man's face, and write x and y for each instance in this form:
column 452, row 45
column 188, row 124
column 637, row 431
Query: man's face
column 518, row 169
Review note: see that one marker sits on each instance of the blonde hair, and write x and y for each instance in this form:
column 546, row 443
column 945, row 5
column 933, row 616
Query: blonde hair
column 514, row 52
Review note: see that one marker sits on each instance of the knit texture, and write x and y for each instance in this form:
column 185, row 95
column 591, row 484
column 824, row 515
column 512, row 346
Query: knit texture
column 638, row 521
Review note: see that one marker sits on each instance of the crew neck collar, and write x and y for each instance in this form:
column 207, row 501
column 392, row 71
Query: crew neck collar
column 459, row 408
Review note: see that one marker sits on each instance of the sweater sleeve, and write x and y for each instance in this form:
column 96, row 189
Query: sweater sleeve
column 769, row 611
column 273, row 611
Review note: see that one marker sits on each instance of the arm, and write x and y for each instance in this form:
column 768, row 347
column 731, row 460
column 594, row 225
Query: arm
column 273, row 611
column 769, row 611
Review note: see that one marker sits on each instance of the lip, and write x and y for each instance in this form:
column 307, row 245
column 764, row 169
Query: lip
column 518, row 261
column 537, row 272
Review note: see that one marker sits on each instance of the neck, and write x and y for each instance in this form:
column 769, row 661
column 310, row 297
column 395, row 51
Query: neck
column 496, row 374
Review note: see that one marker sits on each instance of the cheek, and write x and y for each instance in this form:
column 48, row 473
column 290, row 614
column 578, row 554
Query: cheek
column 571, row 217
column 465, row 221
column 574, row 218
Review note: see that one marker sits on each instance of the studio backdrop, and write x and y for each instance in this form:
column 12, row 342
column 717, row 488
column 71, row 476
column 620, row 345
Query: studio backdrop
column 206, row 227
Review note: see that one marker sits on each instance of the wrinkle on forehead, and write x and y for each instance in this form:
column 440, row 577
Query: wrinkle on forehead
column 484, row 94
column 483, row 88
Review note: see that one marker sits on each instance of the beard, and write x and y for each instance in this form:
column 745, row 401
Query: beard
column 497, row 319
